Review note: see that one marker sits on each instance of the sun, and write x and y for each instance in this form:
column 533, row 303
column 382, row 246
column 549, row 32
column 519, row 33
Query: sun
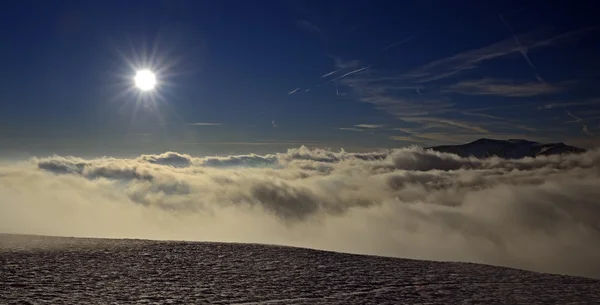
column 145, row 80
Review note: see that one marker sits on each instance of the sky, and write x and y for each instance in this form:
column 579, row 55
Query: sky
column 265, row 76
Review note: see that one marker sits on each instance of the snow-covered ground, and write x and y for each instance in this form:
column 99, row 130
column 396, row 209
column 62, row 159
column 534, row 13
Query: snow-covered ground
column 54, row 270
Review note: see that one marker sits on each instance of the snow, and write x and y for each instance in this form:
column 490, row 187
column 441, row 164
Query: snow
column 41, row 270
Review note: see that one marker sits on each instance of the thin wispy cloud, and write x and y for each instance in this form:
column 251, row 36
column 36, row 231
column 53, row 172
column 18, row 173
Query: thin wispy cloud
column 274, row 124
column 468, row 60
column 349, row 129
column 503, row 107
column 204, row 124
column 553, row 40
column 435, row 134
column 287, row 143
column 349, row 73
column 483, row 115
column 570, row 104
column 406, row 139
column 331, row 73
column 580, row 121
column 436, row 138
column 506, row 88
column 381, row 88
column 293, row 91
column 385, row 97
column 524, row 127
column 369, row 126
column 342, row 64
column 405, row 40
column 451, row 122
column 523, row 50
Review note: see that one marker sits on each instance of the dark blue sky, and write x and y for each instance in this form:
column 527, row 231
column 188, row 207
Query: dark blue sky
column 406, row 72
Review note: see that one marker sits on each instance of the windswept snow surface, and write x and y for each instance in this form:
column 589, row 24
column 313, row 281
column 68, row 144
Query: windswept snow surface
column 57, row 270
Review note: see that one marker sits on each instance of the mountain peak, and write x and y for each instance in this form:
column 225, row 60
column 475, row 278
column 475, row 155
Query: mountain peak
column 509, row 149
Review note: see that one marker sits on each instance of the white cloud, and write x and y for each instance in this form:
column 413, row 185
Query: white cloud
column 471, row 59
column 350, row 129
column 483, row 115
column 570, row 104
column 584, row 126
column 539, row 214
column 450, row 122
column 369, row 126
column 345, row 64
column 204, row 124
column 503, row 88
column 330, row 73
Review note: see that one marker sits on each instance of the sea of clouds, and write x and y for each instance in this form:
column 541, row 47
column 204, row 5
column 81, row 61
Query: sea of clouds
column 540, row 214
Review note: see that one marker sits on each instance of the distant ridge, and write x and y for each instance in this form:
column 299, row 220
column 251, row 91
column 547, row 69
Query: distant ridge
column 509, row 149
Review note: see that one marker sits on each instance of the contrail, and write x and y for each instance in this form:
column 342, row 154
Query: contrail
column 293, row 91
column 349, row 73
column 405, row 40
column 584, row 126
column 332, row 72
column 337, row 92
column 523, row 51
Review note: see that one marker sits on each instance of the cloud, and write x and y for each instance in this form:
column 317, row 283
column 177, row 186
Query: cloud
column 331, row 73
column 483, row 115
column 293, row 91
column 570, row 104
column 523, row 50
column 369, row 126
column 450, row 122
column 424, row 135
column 411, row 139
column 349, row 73
column 342, row 64
column 536, row 213
column 468, row 60
column 584, row 126
column 274, row 124
column 405, row 40
column 204, row 124
column 503, row 88
column 386, row 98
column 168, row 158
column 425, row 105
column 350, row 129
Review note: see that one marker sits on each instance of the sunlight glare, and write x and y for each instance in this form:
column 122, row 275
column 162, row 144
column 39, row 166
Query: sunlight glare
column 145, row 80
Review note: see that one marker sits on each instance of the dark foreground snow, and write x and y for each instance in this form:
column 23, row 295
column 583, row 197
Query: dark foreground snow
column 53, row 270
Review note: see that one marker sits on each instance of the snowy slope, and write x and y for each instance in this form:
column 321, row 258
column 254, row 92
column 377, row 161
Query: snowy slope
column 52, row 270
column 509, row 149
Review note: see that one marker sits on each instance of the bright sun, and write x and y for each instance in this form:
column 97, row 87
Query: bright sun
column 145, row 80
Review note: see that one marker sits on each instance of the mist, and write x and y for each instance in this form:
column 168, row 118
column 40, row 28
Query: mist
column 537, row 214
